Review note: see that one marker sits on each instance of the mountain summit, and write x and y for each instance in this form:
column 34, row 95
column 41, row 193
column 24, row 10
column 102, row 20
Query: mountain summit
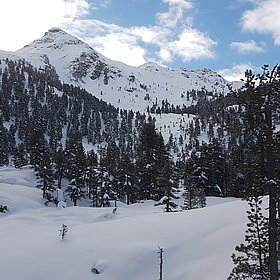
column 121, row 85
column 54, row 39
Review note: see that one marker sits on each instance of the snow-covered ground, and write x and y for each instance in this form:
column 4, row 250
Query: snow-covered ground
column 197, row 244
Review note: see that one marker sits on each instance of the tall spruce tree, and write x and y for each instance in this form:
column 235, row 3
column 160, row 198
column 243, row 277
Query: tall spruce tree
column 75, row 167
column 151, row 155
column 195, row 182
column 261, row 99
column 45, row 177
column 4, row 144
column 125, row 178
column 252, row 258
column 76, row 190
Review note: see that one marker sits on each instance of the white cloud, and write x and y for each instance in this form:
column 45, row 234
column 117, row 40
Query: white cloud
column 193, row 44
column 171, row 37
column 247, row 47
column 147, row 34
column 237, row 72
column 121, row 47
column 263, row 18
column 104, row 3
column 175, row 13
column 165, row 55
column 113, row 41
column 22, row 21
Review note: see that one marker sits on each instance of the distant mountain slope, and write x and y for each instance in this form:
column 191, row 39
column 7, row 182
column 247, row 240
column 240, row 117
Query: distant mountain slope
column 124, row 86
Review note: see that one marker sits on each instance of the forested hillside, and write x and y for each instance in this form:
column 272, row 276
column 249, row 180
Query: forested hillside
column 66, row 132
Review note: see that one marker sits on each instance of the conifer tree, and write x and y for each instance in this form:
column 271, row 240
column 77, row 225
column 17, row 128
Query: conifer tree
column 261, row 100
column 60, row 165
column 252, row 258
column 36, row 145
column 75, row 166
column 167, row 182
column 4, row 149
column 45, row 176
column 94, row 183
column 195, row 182
column 125, row 178
column 151, row 154
column 76, row 190
column 20, row 156
column 92, row 179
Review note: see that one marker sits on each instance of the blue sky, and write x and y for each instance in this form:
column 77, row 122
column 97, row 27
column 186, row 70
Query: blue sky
column 228, row 36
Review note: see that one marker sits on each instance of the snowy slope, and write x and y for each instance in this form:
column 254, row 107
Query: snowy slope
column 123, row 246
column 119, row 84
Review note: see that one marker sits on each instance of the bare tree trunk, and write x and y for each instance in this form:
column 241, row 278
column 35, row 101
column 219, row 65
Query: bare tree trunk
column 160, row 262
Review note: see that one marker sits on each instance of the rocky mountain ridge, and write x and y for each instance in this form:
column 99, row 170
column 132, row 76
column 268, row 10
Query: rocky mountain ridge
column 121, row 85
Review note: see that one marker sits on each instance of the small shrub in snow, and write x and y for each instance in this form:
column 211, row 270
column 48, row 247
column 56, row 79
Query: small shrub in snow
column 3, row 208
column 99, row 267
column 94, row 270
column 63, row 230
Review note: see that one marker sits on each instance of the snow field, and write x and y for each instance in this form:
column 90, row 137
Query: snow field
column 197, row 244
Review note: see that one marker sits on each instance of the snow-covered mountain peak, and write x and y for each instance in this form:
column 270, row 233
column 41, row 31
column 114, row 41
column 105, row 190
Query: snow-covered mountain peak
column 53, row 39
column 71, row 57
column 151, row 66
column 124, row 86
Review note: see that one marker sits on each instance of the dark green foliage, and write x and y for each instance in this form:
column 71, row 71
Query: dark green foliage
column 94, row 183
column 75, row 164
column 125, row 189
column 261, row 100
column 252, row 258
column 151, row 160
column 195, row 182
column 110, row 158
column 168, row 182
column 20, row 156
column 45, row 177
column 4, row 144
column 59, row 165
column 76, row 190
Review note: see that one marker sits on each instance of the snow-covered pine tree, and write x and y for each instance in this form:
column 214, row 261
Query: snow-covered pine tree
column 4, row 144
column 195, row 181
column 168, row 182
column 45, row 177
column 76, row 190
column 20, row 156
column 125, row 178
column 151, row 156
column 252, row 258
column 60, row 165
column 260, row 99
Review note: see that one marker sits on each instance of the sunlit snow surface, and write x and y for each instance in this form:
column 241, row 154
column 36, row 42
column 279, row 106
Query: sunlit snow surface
column 197, row 244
